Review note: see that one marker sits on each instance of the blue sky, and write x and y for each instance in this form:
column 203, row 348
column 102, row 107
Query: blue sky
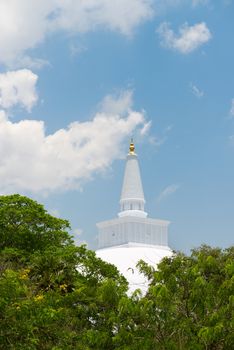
column 79, row 78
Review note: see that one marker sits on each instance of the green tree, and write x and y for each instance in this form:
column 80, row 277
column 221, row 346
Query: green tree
column 189, row 304
column 26, row 225
column 53, row 294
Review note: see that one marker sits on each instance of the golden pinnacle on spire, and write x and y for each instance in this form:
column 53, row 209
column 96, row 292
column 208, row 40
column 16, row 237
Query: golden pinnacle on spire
column 132, row 148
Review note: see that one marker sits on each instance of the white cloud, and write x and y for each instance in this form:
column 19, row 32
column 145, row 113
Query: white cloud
column 32, row 161
column 25, row 24
column 188, row 39
column 18, row 88
column 117, row 15
column 3, row 116
column 29, row 62
column 232, row 109
column 163, row 6
column 145, row 130
column 168, row 191
column 196, row 91
column 120, row 105
column 158, row 141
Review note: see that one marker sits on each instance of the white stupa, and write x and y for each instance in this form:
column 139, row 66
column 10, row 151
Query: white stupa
column 133, row 236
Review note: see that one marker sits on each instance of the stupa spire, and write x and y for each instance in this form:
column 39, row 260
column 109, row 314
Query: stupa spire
column 132, row 199
column 125, row 240
column 132, row 147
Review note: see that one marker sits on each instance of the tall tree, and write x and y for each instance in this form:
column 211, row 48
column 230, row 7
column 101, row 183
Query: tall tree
column 53, row 294
column 26, row 225
column 189, row 304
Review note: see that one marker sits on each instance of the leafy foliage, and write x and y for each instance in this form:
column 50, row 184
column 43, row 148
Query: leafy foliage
column 55, row 295
column 189, row 304
column 26, row 225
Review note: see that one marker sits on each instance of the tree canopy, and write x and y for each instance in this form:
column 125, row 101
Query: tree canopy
column 56, row 295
